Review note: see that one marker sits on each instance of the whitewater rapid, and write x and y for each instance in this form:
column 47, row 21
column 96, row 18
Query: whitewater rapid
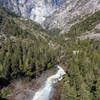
column 44, row 92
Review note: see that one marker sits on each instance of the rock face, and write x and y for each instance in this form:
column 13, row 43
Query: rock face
column 70, row 12
column 61, row 14
column 36, row 10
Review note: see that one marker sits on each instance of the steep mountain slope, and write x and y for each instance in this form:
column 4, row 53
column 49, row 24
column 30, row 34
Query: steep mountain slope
column 71, row 12
column 54, row 14
column 36, row 10
column 25, row 47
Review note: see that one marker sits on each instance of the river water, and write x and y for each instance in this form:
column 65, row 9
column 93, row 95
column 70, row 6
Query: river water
column 44, row 92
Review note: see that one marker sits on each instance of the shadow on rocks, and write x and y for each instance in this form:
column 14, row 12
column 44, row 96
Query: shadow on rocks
column 3, row 98
column 3, row 82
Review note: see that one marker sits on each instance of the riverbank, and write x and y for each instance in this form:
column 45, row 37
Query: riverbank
column 24, row 89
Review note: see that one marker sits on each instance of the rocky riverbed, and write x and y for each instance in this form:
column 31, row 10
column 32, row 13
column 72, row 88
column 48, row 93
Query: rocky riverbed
column 25, row 89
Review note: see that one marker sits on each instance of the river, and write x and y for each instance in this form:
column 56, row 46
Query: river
column 44, row 92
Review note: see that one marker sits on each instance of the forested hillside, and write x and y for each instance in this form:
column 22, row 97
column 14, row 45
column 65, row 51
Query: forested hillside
column 27, row 50
column 82, row 63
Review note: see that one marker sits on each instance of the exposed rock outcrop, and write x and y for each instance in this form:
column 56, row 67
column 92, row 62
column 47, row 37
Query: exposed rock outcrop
column 60, row 14
column 71, row 12
column 36, row 10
